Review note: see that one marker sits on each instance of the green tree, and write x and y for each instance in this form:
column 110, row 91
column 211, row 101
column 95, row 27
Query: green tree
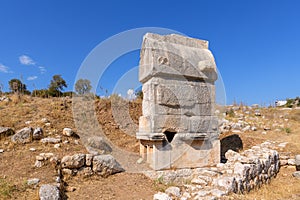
column 56, row 86
column 16, row 86
column 83, row 86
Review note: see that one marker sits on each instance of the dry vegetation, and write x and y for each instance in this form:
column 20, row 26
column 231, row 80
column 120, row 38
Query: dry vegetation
column 16, row 163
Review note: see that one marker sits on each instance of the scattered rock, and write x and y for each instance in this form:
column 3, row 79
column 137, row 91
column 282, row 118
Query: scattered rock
column 161, row 196
column 283, row 162
column 291, row 162
column 32, row 149
column 140, row 161
column 56, row 146
column 68, row 132
column 5, row 132
column 38, row 133
column 49, row 192
column 247, row 128
column 106, row 165
column 44, row 120
column 297, row 162
column 201, row 194
column 33, row 181
column 253, row 128
column 38, row 164
column 39, row 158
column 173, row 191
column 23, row 136
column 73, row 162
column 51, row 140
column 28, row 122
column 198, row 181
column 282, row 145
column 257, row 114
column 1, row 150
column 296, row 174
column 217, row 193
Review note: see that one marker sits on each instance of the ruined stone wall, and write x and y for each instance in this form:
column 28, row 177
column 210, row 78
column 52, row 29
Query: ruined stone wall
column 241, row 173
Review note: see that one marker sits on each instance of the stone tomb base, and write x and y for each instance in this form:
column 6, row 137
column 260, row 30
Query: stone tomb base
column 181, row 152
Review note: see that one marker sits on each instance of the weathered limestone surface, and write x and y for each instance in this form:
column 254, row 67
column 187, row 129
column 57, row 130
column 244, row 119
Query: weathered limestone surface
column 242, row 172
column 178, row 127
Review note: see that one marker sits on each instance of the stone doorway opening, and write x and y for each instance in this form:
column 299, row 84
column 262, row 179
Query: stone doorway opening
column 169, row 134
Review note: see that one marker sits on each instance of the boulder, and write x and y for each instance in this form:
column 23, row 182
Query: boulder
column 37, row 134
column 5, row 132
column 49, row 192
column 23, row 136
column 106, row 165
column 73, row 162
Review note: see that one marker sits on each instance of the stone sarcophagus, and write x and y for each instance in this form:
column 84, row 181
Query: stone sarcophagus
column 178, row 128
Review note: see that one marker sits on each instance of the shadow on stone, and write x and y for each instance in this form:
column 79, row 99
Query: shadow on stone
column 233, row 142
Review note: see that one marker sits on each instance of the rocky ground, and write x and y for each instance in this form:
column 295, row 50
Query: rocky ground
column 21, row 175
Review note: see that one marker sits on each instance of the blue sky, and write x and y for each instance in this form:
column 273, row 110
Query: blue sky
column 256, row 43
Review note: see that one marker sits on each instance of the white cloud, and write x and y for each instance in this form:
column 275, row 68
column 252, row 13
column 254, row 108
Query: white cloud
column 31, row 78
column 42, row 69
column 4, row 69
column 26, row 60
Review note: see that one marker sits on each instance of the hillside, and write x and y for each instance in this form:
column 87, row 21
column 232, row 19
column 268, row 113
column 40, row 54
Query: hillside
column 252, row 125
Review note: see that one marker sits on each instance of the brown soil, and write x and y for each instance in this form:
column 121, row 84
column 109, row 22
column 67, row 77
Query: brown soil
column 17, row 161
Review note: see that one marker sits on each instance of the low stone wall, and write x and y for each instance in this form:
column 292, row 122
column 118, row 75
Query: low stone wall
column 241, row 173
column 88, row 164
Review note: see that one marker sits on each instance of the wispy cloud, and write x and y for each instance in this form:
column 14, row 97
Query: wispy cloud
column 42, row 69
column 4, row 69
column 26, row 60
column 31, row 78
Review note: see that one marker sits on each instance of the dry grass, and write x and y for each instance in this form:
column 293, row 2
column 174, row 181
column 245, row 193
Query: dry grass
column 16, row 163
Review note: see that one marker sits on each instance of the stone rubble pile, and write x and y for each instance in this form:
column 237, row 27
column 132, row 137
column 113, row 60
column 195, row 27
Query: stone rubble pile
column 241, row 173
column 240, row 119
